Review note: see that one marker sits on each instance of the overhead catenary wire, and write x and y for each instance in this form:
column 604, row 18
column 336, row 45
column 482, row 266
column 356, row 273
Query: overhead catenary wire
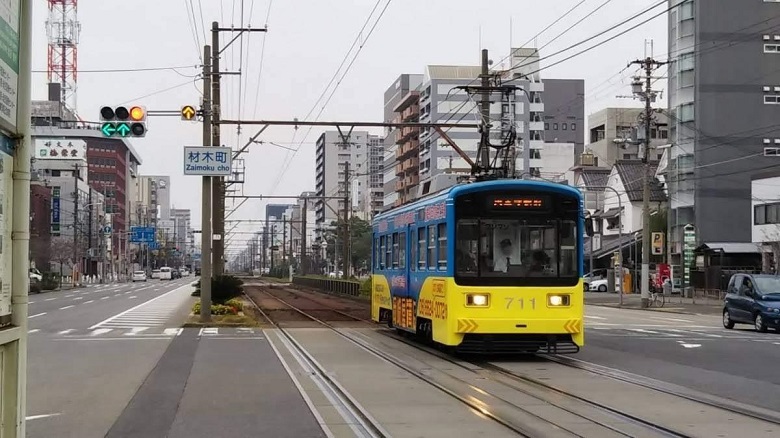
column 286, row 165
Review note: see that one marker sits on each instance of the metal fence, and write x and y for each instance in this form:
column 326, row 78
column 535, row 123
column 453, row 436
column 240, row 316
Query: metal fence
column 337, row 286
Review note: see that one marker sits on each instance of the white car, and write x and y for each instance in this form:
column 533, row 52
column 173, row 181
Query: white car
column 598, row 285
column 139, row 276
column 155, row 274
column 166, row 273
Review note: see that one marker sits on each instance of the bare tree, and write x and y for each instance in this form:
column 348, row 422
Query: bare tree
column 62, row 252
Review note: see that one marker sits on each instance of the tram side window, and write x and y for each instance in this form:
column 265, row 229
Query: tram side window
column 442, row 246
column 376, row 253
column 389, row 252
column 421, row 247
column 413, row 254
column 381, row 255
column 431, row 246
column 402, row 250
column 396, row 251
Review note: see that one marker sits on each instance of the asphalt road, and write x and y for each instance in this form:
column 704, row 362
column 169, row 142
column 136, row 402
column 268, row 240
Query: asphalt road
column 693, row 351
column 90, row 350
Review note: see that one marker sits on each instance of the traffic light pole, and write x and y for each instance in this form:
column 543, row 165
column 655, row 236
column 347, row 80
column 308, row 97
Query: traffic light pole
column 205, row 214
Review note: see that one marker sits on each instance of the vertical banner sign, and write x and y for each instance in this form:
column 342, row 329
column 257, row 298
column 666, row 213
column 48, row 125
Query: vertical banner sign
column 658, row 244
column 689, row 244
column 6, row 188
column 9, row 62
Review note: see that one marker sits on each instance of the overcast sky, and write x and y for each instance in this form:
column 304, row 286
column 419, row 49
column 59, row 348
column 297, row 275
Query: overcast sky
column 306, row 42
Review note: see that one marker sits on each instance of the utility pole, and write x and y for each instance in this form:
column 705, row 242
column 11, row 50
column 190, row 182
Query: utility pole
column 217, row 187
column 484, row 159
column 649, row 64
column 75, row 219
column 205, row 215
column 347, row 207
column 218, row 183
column 304, row 260
column 284, row 237
column 291, row 256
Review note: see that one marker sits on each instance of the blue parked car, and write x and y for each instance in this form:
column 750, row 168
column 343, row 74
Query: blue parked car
column 753, row 299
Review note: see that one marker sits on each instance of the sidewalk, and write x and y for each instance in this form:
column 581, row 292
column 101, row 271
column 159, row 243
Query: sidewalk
column 673, row 303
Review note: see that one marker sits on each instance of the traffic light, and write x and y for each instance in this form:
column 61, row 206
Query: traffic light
column 123, row 121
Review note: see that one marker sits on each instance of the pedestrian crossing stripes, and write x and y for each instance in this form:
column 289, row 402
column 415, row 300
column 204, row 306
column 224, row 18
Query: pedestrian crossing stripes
column 150, row 333
column 687, row 333
column 155, row 312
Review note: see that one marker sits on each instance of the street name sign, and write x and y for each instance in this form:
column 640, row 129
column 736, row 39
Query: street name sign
column 207, row 161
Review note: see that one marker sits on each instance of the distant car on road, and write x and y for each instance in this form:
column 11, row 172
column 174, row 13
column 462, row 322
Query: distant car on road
column 155, row 274
column 598, row 285
column 165, row 273
column 139, row 276
column 752, row 299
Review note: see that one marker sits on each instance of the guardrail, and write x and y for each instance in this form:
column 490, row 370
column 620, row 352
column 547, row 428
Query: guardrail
column 338, row 286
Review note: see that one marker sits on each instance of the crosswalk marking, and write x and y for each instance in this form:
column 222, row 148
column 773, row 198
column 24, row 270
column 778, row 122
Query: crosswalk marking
column 154, row 312
column 151, row 333
column 90, row 301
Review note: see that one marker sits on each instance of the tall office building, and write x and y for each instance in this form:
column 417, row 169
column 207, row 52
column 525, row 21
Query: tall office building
column 402, row 101
column 363, row 153
column 724, row 104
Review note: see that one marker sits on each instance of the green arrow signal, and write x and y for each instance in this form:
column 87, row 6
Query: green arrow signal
column 108, row 129
column 123, row 129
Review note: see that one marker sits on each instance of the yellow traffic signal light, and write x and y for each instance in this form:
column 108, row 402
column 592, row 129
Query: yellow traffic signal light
column 121, row 122
column 137, row 114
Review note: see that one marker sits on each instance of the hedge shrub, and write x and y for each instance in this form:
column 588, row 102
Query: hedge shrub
column 223, row 288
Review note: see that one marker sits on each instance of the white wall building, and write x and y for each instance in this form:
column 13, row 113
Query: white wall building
column 765, row 193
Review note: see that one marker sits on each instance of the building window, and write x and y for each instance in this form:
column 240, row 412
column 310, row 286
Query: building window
column 536, row 153
column 555, row 126
column 766, row 214
column 772, row 99
column 563, row 126
column 546, row 126
column 685, row 112
column 771, row 48
column 573, row 126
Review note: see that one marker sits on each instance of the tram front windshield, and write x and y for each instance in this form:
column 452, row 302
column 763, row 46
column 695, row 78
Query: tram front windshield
column 517, row 249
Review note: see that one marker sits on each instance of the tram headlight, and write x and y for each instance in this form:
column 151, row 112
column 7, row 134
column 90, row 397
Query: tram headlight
column 477, row 300
column 558, row 300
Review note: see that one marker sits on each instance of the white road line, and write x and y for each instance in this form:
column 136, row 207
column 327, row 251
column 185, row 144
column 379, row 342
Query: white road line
column 131, row 297
column 50, row 299
column 90, row 301
column 33, row 331
column 105, row 298
column 66, row 307
column 136, row 330
column 36, row 417
column 100, row 331
column 173, row 331
column 116, row 295
column 37, row 315
column 78, row 298
column 670, row 319
column 68, row 296
column 65, row 332
column 594, row 317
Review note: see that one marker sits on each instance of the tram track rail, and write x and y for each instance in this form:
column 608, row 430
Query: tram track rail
column 504, row 420
column 480, row 368
column 668, row 389
column 372, row 428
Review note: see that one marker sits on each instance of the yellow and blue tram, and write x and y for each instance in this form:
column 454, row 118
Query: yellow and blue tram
column 492, row 266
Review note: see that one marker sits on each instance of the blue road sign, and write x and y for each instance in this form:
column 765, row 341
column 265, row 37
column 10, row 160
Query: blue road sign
column 154, row 245
column 142, row 234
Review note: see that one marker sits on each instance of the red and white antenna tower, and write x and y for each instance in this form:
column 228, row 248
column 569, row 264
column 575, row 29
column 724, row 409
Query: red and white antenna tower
column 63, row 28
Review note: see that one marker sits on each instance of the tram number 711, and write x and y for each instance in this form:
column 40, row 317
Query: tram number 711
column 521, row 302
